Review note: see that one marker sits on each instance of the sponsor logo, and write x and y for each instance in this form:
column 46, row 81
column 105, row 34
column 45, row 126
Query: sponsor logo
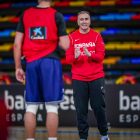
column 77, row 39
column 126, row 104
column 37, row 33
column 128, row 107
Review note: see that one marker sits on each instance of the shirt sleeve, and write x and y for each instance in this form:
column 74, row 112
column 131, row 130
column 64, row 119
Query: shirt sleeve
column 60, row 23
column 20, row 27
column 99, row 50
column 70, row 57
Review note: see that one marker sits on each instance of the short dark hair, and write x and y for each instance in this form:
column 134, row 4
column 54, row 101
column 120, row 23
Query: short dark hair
column 46, row 0
column 82, row 12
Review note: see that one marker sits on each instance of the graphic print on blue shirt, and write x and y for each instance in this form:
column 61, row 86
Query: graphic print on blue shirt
column 37, row 33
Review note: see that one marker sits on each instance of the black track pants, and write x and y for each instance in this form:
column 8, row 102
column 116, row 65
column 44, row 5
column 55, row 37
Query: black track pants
column 94, row 91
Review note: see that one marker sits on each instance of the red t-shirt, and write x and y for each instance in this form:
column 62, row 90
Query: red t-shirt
column 40, row 33
column 86, row 68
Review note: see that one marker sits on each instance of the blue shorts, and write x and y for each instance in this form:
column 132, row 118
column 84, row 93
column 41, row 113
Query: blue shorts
column 44, row 81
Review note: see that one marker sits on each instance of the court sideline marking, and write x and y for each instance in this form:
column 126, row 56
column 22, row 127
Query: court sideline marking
column 44, row 131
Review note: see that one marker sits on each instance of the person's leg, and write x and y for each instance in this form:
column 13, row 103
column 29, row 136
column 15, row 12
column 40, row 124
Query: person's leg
column 51, row 80
column 80, row 92
column 52, row 86
column 30, row 121
column 32, row 97
column 52, row 120
column 97, row 102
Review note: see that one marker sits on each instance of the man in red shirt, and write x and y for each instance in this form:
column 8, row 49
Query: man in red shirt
column 86, row 53
column 39, row 31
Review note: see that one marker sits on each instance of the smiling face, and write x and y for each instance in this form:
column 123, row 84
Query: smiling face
column 84, row 22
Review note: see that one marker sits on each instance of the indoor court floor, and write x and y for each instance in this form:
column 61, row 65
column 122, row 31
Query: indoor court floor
column 71, row 133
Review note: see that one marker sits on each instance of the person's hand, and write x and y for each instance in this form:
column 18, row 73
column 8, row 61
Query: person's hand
column 20, row 75
column 77, row 52
column 86, row 51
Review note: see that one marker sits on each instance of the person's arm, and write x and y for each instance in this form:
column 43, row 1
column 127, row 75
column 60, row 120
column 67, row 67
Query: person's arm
column 63, row 37
column 71, row 55
column 99, row 50
column 64, row 42
column 20, row 75
column 17, row 49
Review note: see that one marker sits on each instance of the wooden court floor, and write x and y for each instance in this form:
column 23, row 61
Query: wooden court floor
column 71, row 133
